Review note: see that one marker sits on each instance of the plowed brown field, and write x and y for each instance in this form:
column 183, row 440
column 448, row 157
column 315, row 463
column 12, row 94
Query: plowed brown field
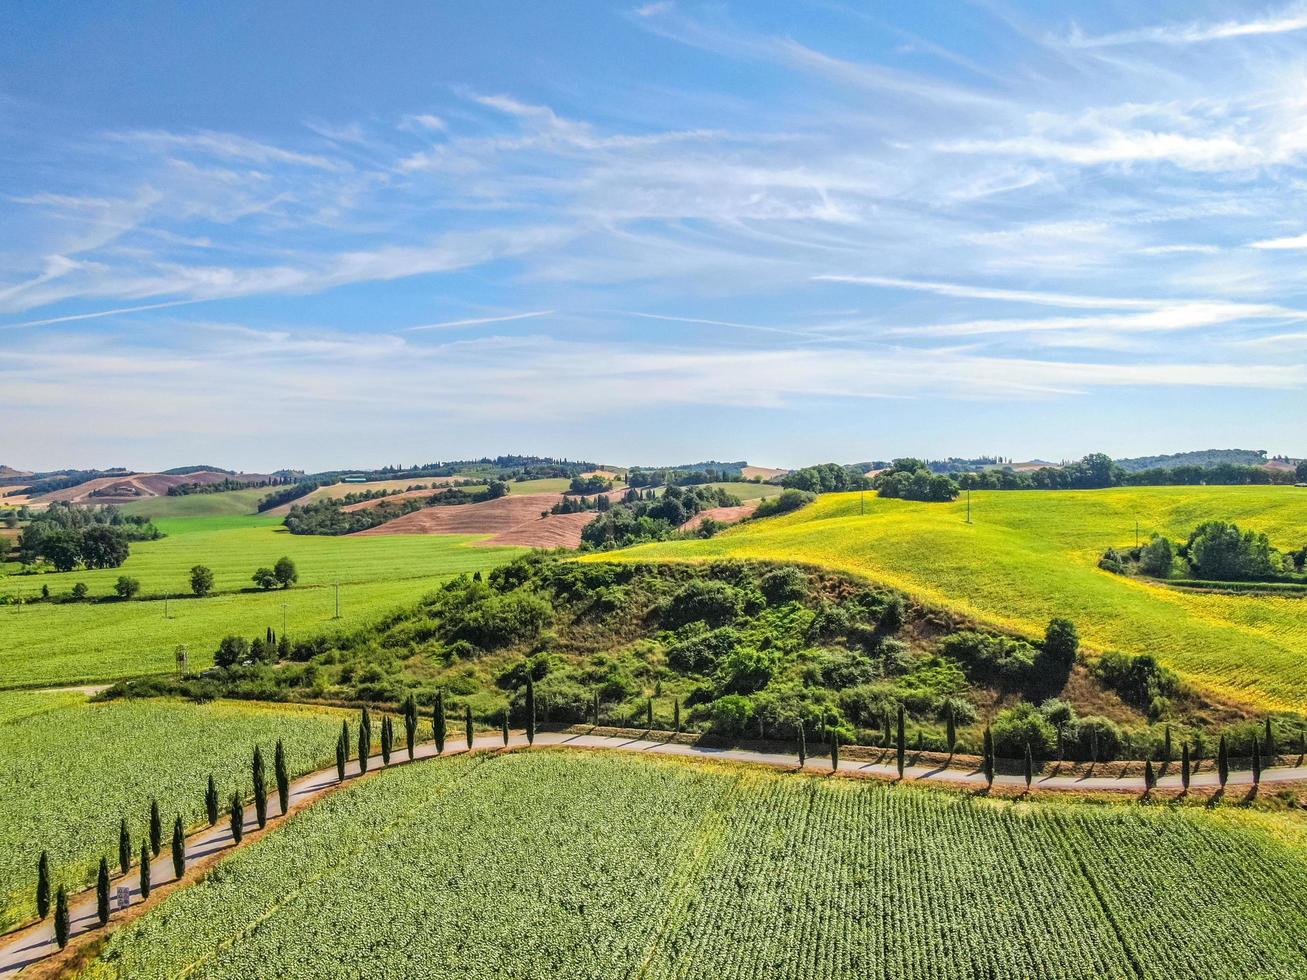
column 512, row 520
column 727, row 515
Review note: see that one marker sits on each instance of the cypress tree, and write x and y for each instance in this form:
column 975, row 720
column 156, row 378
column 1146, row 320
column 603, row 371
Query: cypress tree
column 595, row 722
column 340, row 758
column 834, row 751
column 364, row 748
column 1093, row 745
column 1061, row 744
column 438, row 722
column 410, row 725
column 365, row 732
column 467, row 725
column 102, row 892
column 1150, row 776
column 676, row 714
column 648, row 714
column 950, row 728
column 387, row 735
column 124, row 846
column 283, row 777
column 988, row 761
column 1222, row 763
column 1257, row 762
column 530, row 710
column 237, row 818
column 1268, row 740
column 1030, row 767
column 156, row 828
column 43, row 885
column 145, row 871
column 1166, row 744
column 504, row 722
column 61, row 917
column 900, row 746
column 260, row 789
column 344, row 738
column 178, row 848
column 211, row 801
column 803, row 745
column 1184, row 766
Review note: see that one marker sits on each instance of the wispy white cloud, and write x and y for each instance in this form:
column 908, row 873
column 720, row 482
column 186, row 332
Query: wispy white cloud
column 1288, row 20
column 1280, row 244
column 477, row 321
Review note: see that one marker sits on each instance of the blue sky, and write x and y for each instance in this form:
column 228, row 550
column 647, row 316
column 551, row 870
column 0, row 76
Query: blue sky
column 329, row 234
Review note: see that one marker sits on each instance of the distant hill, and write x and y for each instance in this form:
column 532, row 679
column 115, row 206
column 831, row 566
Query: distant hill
column 1200, row 457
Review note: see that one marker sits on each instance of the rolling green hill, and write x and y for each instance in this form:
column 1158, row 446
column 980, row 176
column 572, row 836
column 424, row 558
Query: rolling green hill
column 1032, row 555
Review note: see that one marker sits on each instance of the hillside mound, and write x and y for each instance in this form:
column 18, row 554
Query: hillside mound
column 766, row 472
column 513, row 520
column 122, row 489
column 724, row 515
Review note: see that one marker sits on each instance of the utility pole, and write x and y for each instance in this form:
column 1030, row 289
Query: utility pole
column 968, row 506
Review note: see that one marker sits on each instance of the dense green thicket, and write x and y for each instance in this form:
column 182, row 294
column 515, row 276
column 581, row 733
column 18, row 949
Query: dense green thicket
column 911, row 479
column 1097, row 471
column 67, row 536
column 647, row 516
column 1215, row 551
column 826, row 478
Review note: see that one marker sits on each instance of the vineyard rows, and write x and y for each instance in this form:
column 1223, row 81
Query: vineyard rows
column 590, row 866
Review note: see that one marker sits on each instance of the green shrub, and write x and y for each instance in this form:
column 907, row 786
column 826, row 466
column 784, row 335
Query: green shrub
column 1020, row 727
column 712, row 602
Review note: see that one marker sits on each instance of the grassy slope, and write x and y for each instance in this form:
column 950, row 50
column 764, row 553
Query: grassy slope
column 73, row 769
column 199, row 504
column 597, row 866
column 52, row 643
column 1031, row 555
column 749, row 491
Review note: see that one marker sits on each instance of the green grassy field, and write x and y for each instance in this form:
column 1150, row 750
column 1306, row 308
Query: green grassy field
column 199, row 504
column 749, row 491
column 1032, row 555
column 73, row 769
column 558, row 864
column 53, row 643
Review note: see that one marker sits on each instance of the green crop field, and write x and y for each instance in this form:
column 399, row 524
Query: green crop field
column 73, row 769
column 558, row 864
column 749, row 491
column 199, row 504
column 1032, row 555
column 52, row 643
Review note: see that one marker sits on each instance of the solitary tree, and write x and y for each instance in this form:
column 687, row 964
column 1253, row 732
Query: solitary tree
column 595, row 710
column 340, row 757
column 387, row 737
column 201, row 580
column 283, row 776
column 1184, row 766
column 803, row 745
column 410, row 725
column 648, row 714
column 43, row 885
column 1061, row 641
column 285, row 572
column 1268, row 739
column 237, row 819
column 1030, row 767
column 260, row 789
column 1222, row 763
column 900, row 743
column 530, row 710
column 1150, row 776
column 988, row 759
column 178, row 848
column 467, row 725
column 211, row 801
column 1166, row 744
column 1257, row 762
column 676, row 714
column 834, row 751
column 950, row 728
column 124, row 846
column 145, row 872
column 365, row 747
column 156, row 828
column 102, row 892
column 438, row 722
column 61, row 917
column 504, row 722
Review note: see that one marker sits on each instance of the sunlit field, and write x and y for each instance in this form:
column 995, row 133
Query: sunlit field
column 1031, row 555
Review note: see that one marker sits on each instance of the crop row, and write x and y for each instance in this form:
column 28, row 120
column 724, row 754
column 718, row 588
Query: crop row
column 590, row 866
